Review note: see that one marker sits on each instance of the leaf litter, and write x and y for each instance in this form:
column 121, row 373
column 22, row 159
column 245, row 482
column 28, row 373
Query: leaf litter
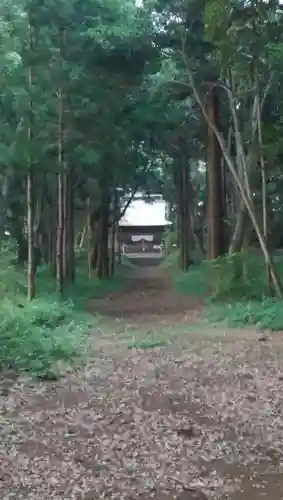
column 198, row 419
column 209, row 422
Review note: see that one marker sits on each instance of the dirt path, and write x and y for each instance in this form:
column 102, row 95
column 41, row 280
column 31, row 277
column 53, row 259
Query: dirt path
column 200, row 418
column 148, row 296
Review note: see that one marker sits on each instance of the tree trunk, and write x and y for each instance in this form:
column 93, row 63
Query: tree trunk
column 82, row 237
column 237, row 239
column 89, row 237
column 30, row 197
column 113, row 248
column 65, row 236
column 103, row 270
column 95, row 245
column 263, row 186
column 71, row 228
column 30, row 216
column 68, row 230
column 53, row 234
column 60, row 198
column 181, row 181
column 60, row 229
column 215, row 212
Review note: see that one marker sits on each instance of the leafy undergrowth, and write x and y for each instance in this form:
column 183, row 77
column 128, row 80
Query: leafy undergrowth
column 236, row 290
column 265, row 314
column 40, row 335
column 44, row 336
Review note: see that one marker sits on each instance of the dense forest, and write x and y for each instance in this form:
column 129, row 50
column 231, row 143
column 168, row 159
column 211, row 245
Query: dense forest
column 104, row 98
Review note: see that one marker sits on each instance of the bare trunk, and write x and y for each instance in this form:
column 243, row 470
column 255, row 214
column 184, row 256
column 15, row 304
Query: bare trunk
column 239, row 230
column 71, row 228
column 181, row 182
column 215, row 184
column 186, row 233
column 66, row 215
column 89, row 238
column 264, row 186
column 68, row 231
column 30, row 200
column 196, row 237
column 103, row 252
column 113, row 253
column 59, row 242
column 114, row 233
column 53, row 234
column 60, row 200
column 31, row 264
column 82, row 237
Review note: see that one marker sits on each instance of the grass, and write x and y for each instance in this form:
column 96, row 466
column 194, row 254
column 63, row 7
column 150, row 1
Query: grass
column 238, row 299
column 44, row 336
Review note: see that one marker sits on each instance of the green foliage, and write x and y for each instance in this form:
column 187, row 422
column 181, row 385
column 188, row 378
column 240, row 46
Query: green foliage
column 39, row 336
column 42, row 333
column 241, row 275
column 233, row 277
column 267, row 313
column 236, row 290
column 172, row 260
column 194, row 283
column 170, row 239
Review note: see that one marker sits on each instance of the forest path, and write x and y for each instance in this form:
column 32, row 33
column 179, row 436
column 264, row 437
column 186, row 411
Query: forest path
column 197, row 418
column 148, row 297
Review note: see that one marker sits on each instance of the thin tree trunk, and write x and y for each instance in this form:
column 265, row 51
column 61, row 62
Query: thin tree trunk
column 103, row 253
column 30, row 197
column 113, row 234
column 71, row 228
column 113, row 253
column 82, row 237
column 185, row 216
column 66, row 215
column 60, row 199
column 31, row 265
column 264, row 186
column 59, row 242
column 215, row 184
column 89, row 237
column 95, row 244
column 53, row 234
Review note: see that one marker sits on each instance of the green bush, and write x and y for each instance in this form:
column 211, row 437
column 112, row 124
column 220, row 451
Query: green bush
column 36, row 336
column 238, row 276
column 232, row 277
column 237, row 290
column 195, row 282
column 265, row 314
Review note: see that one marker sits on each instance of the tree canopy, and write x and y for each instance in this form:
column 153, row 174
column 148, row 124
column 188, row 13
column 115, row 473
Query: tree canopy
column 100, row 99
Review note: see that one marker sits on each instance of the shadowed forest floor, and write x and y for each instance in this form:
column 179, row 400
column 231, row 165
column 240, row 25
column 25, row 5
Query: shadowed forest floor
column 165, row 407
